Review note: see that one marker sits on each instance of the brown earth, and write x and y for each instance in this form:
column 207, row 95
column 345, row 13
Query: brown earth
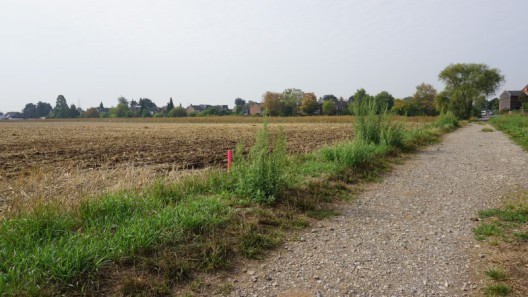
column 69, row 160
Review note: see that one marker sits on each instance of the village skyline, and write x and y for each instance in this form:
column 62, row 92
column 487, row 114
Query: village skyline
column 211, row 52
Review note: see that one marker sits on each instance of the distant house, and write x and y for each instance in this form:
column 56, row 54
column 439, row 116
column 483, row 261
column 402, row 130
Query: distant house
column 14, row 115
column 509, row 100
column 196, row 108
column 102, row 109
column 255, row 108
column 202, row 107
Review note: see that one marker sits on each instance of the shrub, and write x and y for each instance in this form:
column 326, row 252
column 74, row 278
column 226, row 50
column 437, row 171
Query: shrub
column 263, row 174
column 447, row 121
column 374, row 125
column 355, row 154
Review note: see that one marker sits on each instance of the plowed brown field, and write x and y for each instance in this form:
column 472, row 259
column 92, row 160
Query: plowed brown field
column 69, row 160
column 86, row 145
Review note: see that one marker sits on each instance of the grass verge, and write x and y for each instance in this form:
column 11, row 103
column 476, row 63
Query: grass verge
column 505, row 230
column 151, row 242
column 515, row 125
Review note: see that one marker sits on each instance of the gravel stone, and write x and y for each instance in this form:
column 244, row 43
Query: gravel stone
column 409, row 235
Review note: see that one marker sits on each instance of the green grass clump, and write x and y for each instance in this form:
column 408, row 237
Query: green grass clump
column 51, row 248
column 447, row 121
column 515, row 125
column 264, row 173
column 486, row 130
column 496, row 274
column 414, row 138
column 487, row 230
column 374, row 125
column 496, row 290
column 355, row 154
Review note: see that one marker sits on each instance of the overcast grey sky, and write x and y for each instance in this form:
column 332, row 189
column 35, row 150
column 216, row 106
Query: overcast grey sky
column 211, row 52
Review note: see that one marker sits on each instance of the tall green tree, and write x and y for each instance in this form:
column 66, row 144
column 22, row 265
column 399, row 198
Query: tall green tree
column 329, row 107
column 30, row 111
column 43, row 109
column 61, row 109
column 424, row 99
column 74, row 112
column 493, row 104
column 309, row 104
column 384, row 100
column 122, row 109
column 358, row 98
column 286, row 103
column 170, row 105
column 178, row 112
column 239, row 105
column 467, row 84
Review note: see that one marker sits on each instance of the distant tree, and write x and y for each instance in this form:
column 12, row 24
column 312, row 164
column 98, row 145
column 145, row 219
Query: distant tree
column 101, row 106
column 342, row 107
column 123, row 100
column 74, row 112
column 494, row 104
column 384, row 100
column 327, row 97
column 309, row 104
column 329, row 107
column 291, row 101
column 91, row 113
column 468, row 84
column 122, row 109
column 29, row 111
column 441, row 102
column 147, row 104
column 286, row 103
column 356, row 99
column 170, row 105
column 424, row 99
column 523, row 98
column 399, row 107
column 240, row 104
column 271, row 103
column 61, row 109
column 43, row 109
column 178, row 112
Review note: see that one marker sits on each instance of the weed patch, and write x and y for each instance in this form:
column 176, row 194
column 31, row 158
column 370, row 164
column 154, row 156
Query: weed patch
column 496, row 290
column 515, row 125
column 506, row 227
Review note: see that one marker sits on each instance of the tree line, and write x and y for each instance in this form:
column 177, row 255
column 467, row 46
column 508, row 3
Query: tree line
column 467, row 87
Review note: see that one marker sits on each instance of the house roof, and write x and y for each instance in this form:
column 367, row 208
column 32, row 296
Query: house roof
column 514, row 93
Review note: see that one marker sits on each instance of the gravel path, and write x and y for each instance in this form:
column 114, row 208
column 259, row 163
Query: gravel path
column 409, row 235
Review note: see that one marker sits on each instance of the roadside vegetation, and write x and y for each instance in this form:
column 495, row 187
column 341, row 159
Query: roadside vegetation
column 505, row 230
column 149, row 243
column 515, row 125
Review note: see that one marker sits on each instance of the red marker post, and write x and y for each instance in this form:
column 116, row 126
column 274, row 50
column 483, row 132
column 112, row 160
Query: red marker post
column 229, row 159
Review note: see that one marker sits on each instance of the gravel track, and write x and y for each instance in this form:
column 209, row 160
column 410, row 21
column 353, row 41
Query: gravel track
column 409, row 235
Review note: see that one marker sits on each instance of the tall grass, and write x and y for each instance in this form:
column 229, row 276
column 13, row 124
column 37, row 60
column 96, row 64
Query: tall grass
column 374, row 125
column 447, row 121
column 264, row 173
column 50, row 249
column 515, row 125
